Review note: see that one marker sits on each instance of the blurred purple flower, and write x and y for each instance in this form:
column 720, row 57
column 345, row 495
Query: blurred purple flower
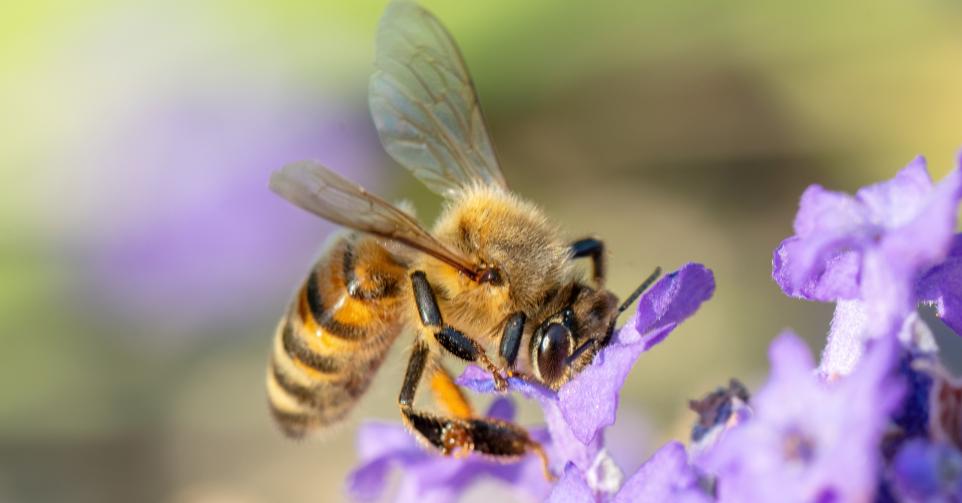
column 926, row 471
column 868, row 251
column 195, row 238
column 577, row 415
column 430, row 477
column 809, row 440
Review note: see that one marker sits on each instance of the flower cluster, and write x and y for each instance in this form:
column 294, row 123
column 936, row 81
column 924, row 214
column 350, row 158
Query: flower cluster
column 876, row 419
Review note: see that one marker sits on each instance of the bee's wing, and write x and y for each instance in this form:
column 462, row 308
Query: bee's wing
column 330, row 196
column 424, row 103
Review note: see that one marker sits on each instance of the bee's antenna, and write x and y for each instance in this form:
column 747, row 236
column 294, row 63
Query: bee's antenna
column 638, row 291
column 581, row 349
column 630, row 300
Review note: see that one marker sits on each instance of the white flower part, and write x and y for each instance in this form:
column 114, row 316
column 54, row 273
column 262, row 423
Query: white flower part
column 846, row 339
column 604, row 475
column 916, row 335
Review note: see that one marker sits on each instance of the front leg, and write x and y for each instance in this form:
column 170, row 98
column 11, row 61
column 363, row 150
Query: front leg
column 594, row 248
column 502, row 439
column 511, row 339
column 450, row 338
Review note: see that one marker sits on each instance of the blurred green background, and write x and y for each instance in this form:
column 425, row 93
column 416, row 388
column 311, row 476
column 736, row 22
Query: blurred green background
column 143, row 262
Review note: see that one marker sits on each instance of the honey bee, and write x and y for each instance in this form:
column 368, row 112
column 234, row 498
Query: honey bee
column 492, row 275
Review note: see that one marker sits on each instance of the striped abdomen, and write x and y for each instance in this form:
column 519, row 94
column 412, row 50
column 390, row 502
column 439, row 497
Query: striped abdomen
column 335, row 334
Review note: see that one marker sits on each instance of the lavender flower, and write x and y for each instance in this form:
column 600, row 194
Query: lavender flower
column 579, row 412
column 808, row 440
column 667, row 476
column 868, row 251
column 926, row 471
column 431, row 478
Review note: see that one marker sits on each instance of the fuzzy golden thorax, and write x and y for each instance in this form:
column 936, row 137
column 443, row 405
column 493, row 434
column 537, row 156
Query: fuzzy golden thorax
column 498, row 229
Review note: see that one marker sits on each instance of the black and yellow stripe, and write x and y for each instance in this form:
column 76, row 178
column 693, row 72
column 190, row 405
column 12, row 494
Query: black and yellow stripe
column 335, row 335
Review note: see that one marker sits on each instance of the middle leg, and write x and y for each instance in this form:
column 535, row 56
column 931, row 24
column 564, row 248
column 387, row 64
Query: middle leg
column 450, row 338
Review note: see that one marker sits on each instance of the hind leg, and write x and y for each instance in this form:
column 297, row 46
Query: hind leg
column 447, row 394
column 457, row 435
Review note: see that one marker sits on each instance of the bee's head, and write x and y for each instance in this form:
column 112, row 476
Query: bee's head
column 565, row 343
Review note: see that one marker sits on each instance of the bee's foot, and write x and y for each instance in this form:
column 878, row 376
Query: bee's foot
column 500, row 381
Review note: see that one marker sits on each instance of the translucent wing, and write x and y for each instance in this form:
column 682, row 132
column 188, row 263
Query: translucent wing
column 328, row 195
column 424, row 104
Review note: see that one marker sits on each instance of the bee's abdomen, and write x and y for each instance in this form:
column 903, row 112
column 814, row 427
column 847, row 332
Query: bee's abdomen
column 335, row 335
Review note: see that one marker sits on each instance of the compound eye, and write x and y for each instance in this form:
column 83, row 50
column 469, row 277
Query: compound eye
column 553, row 351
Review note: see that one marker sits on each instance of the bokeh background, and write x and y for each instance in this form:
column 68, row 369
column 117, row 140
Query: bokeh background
column 143, row 262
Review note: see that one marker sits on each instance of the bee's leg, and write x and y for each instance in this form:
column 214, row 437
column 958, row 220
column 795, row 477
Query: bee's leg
column 448, row 395
column 492, row 437
column 449, row 337
column 511, row 339
column 594, row 248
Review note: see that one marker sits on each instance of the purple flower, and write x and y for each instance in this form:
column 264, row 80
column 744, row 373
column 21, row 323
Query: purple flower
column 868, row 251
column 430, row 477
column 925, row 471
column 667, row 476
column 579, row 412
column 195, row 239
column 809, row 440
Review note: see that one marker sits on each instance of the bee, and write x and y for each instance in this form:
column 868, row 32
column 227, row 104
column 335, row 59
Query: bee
column 492, row 276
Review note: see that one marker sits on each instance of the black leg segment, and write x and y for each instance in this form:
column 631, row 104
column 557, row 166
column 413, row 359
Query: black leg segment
column 457, row 343
column 425, row 300
column 511, row 338
column 412, row 377
column 594, row 248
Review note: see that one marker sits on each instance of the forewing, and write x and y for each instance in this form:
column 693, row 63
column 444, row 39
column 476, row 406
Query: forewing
column 328, row 195
column 424, row 103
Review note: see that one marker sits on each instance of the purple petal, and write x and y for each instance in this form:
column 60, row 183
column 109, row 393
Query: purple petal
column 368, row 481
column 661, row 478
column 790, row 357
column 589, row 401
column 836, row 279
column 380, row 446
column 672, row 300
column 942, row 286
column 477, row 379
column 812, row 264
column 572, row 488
column 895, row 202
column 502, row 408
column 378, row 439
